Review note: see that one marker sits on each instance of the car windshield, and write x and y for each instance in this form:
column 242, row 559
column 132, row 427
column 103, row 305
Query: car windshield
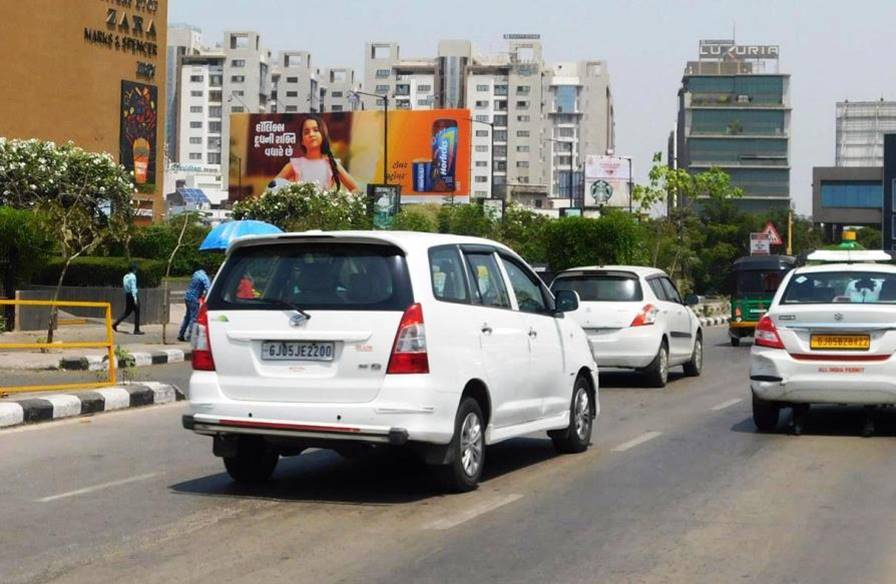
column 313, row 276
column 601, row 287
column 841, row 287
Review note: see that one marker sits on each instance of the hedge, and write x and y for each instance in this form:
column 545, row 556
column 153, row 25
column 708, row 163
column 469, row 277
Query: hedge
column 101, row 271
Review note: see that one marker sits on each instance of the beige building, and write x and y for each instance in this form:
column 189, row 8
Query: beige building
column 69, row 67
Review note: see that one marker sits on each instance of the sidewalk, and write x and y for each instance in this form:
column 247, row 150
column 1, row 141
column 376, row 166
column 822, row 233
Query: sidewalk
column 146, row 349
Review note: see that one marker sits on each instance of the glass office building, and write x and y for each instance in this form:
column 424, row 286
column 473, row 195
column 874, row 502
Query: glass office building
column 734, row 114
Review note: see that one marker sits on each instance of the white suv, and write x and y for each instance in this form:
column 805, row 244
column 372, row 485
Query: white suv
column 344, row 340
column 635, row 319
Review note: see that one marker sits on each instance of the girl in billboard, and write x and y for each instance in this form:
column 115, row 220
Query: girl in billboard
column 317, row 164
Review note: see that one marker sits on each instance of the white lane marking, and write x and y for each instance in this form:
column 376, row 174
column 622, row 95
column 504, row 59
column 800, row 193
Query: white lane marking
column 727, row 404
column 639, row 440
column 99, row 487
column 473, row 512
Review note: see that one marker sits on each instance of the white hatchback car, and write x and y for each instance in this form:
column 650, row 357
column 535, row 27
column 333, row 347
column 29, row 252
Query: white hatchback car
column 635, row 319
column 344, row 340
column 829, row 337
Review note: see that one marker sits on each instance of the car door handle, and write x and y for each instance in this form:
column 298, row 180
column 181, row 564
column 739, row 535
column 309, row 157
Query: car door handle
column 486, row 330
column 533, row 333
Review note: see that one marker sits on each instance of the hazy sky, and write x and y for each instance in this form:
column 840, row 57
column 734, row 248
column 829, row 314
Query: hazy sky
column 833, row 50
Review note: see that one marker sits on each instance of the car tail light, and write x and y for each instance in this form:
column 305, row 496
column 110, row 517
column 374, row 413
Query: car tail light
column 409, row 350
column 646, row 316
column 767, row 334
column 202, row 346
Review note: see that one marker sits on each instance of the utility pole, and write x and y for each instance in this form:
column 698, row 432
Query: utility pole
column 790, row 232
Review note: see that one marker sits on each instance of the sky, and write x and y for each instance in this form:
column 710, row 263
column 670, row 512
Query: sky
column 834, row 50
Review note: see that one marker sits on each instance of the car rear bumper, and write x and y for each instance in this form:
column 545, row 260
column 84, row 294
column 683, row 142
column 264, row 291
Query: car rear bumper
column 777, row 376
column 630, row 347
column 404, row 410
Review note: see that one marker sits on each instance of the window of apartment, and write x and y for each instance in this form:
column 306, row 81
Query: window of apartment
column 382, row 89
column 565, row 133
column 403, row 105
column 238, row 63
column 523, row 118
column 522, row 104
column 196, row 139
column 522, row 164
column 522, row 180
column 522, row 133
column 481, row 104
column 195, row 109
column 565, row 99
column 239, row 41
column 501, row 105
column 196, row 78
column 500, row 120
column 481, row 163
column 195, row 155
column 424, row 102
column 424, row 88
column 523, row 89
column 482, row 133
column 501, row 135
column 522, row 148
column 214, row 127
column 292, row 94
column 196, row 94
column 482, row 148
column 500, row 90
column 214, row 111
column 500, row 151
column 481, row 179
column 291, row 109
column 238, row 93
column 292, row 79
column 482, row 87
column 481, row 118
column 403, row 89
column 336, row 94
column 237, row 109
column 383, row 73
column 216, row 80
column 214, row 96
column 336, row 108
column 214, row 158
column 500, row 180
column 195, row 124
column 481, row 193
column 500, row 165
column 237, row 78
column 214, row 143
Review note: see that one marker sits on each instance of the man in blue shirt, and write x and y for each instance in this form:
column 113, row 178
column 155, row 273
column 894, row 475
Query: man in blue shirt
column 131, row 302
column 199, row 285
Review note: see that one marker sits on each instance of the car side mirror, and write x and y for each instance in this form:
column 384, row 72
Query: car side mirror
column 567, row 301
column 691, row 300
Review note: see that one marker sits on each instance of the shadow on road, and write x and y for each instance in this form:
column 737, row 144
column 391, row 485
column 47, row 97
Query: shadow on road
column 380, row 477
column 616, row 379
column 831, row 421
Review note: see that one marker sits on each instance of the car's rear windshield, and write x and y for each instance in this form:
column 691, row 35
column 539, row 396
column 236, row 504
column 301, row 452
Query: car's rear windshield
column 313, row 276
column 841, row 287
column 601, row 287
column 759, row 282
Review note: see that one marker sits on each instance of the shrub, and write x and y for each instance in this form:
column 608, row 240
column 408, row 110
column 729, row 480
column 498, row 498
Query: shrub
column 101, row 271
column 417, row 218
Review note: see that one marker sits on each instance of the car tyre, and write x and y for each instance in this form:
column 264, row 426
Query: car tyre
column 694, row 367
column 254, row 462
column 765, row 414
column 657, row 373
column 577, row 436
column 467, row 449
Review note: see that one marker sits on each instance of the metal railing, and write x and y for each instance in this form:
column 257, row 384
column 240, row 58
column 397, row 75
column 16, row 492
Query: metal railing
column 108, row 344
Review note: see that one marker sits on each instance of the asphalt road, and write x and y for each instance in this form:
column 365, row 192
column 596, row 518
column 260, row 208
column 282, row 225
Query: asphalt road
column 677, row 487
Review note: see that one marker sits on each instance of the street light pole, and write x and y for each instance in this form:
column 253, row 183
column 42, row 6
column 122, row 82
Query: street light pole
column 631, row 185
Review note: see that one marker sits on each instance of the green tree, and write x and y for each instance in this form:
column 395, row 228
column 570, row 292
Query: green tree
column 463, row 219
column 417, row 218
column 870, row 238
column 300, row 207
column 24, row 247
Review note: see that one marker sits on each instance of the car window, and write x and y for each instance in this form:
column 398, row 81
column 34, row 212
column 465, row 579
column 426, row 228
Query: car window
column 526, row 288
column 447, row 274
column 841, row 287
column 313, row 276
column 486, row 279
column 601, row 287
column 658, row 289
column 672, row 294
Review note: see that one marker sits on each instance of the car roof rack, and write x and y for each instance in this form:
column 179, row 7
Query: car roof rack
column 849, row 256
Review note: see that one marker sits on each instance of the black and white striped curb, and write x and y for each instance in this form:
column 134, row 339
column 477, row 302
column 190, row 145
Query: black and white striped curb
column 135, row 359
column 14, row 412
column 713, row 320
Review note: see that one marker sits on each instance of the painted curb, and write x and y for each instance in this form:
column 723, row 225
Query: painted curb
column 14, row 412
column 713, row 320
column 137, row 359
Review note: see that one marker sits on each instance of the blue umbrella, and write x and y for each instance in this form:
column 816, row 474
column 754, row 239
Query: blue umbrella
column 219, row 238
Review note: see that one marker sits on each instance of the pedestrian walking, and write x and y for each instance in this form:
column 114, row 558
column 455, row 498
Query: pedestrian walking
column 131, row 300
column 196, row 291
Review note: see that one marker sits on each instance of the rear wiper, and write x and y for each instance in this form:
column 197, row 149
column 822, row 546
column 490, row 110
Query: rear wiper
column 282, row 303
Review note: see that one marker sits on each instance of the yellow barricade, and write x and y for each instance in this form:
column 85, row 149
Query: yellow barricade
column 108, row 344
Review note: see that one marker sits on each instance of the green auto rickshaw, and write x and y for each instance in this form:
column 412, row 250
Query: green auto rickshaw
column 752, row 284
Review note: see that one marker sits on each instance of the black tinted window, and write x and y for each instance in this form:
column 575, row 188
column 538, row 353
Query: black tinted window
column 841, row 287
column 314, row 276
column 657, row 287
column 672, row 294
column 601, row 287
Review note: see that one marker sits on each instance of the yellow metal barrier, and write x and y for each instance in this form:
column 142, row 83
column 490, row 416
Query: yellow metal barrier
column 109, row 345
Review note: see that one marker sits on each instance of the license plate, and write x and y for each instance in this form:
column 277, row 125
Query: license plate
column 842, row 342
column 297, row 351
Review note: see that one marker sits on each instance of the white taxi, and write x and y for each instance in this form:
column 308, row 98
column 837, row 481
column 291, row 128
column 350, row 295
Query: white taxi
column 829, row 337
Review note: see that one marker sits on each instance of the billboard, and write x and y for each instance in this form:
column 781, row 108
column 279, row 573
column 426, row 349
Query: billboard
column 428, row 152
column 137, row 135
column 607, row 181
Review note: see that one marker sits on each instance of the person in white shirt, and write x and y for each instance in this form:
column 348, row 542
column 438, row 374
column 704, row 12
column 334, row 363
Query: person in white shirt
column 317, row 164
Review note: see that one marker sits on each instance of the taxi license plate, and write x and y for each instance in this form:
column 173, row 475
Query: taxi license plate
column 841, row 342
column 297, row 351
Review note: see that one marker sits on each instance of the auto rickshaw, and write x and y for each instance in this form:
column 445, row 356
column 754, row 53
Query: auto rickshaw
column 752, row 284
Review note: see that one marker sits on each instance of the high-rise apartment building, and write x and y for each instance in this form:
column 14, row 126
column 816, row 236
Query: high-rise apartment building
column 294, row 84
column 734, row 113
column 861, row 126
column 183, row 40
column 533, row 122
column 337, row 87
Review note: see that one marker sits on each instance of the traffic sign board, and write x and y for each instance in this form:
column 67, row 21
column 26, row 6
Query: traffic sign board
column 774, row 236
